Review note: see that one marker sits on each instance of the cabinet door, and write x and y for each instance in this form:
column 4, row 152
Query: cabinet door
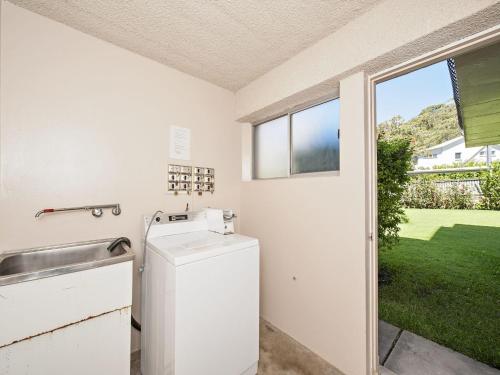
column 34, row 307
column 95, row 346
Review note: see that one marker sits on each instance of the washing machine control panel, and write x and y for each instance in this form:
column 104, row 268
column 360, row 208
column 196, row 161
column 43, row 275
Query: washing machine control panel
column 177, row 217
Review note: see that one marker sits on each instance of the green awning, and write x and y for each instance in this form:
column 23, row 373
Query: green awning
column 476, row 85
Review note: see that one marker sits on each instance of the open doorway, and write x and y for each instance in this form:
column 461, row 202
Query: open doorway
column 439, row 218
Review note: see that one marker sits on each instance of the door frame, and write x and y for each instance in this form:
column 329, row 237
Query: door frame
column 475, row 41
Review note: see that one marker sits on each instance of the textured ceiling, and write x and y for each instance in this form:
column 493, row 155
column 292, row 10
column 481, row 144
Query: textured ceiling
column 226, row 42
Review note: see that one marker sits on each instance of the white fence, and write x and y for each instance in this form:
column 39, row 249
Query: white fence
column 472, row 184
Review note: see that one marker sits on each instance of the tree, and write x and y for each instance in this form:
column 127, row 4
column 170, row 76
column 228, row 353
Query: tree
column 433, row 125
column 393, row 162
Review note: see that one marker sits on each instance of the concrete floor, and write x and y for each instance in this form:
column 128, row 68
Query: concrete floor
column 279, row 355
column 135, row 363
column 400, row 352
column 404, row 353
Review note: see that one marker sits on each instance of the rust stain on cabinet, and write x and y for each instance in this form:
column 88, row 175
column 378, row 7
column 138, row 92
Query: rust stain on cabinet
column 65, row 326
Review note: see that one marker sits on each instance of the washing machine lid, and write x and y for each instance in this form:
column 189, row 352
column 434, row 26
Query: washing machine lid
column 190, row 247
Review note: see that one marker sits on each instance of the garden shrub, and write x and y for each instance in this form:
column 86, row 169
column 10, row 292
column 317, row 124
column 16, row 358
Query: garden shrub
column 421, row 192
column 490, row 187
column 458, row 198
column 459, row 175
column 393, row 162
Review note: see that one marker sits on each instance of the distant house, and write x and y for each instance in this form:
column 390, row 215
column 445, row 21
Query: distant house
column 454, row 151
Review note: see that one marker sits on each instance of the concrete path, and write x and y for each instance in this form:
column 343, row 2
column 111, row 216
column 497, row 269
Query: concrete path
column 387, row 337
column 405, row 353
column 385, row 371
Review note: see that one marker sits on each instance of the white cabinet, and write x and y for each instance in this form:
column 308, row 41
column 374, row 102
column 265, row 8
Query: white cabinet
column 76, row 323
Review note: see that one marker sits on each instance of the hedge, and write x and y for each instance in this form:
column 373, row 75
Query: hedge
column 421, row 192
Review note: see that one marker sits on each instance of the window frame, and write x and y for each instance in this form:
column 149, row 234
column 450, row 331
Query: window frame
column 290, row 148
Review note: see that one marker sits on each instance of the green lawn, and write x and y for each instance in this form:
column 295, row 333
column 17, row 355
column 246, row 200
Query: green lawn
column 443, row 280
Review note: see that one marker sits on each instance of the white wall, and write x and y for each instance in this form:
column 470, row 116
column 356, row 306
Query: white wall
column 85, row 122
column 314, row 229
column 447, row 156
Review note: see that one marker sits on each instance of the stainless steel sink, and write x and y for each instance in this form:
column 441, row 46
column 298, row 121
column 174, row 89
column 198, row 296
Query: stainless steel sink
column 30, row 264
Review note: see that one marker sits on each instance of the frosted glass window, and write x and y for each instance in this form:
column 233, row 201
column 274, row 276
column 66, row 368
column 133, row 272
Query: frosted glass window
column 271, row 149
column 315, row 138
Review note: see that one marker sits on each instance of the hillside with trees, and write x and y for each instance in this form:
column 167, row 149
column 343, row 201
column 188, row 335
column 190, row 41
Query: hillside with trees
column 435, row 124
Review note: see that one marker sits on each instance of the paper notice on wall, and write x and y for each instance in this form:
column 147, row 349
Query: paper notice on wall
column 180, row 143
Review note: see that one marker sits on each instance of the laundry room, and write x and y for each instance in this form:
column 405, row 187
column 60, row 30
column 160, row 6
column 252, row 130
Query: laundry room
column 189, row 187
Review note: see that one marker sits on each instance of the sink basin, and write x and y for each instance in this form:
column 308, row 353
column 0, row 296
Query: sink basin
column 30, row 264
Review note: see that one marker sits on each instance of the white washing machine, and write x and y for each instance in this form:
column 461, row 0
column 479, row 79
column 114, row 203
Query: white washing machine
column 200, row 298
